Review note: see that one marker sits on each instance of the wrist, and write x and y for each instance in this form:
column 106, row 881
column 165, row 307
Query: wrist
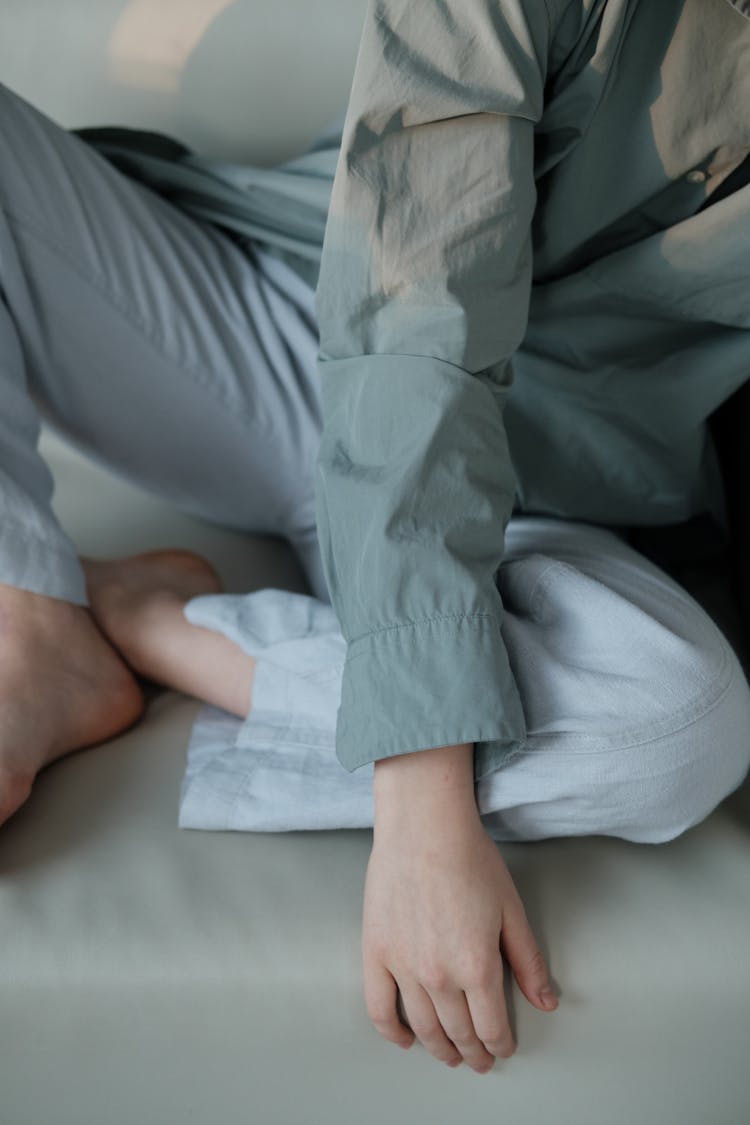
column 441, row 767
column 427, row 783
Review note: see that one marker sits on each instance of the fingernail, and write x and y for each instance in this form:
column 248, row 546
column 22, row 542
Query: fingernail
column 548, row 997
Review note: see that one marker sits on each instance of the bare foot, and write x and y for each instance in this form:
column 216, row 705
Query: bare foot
column 62, row 687
column 130, row 596
column 138, row 604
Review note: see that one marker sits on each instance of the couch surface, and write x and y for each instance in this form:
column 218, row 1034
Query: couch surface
column 154, row 975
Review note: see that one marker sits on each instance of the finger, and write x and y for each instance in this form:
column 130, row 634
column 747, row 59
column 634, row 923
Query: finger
column 489, row 1014
column 527, row 961
column 423, row 1019
column 380, row 1001
column 453, row 1012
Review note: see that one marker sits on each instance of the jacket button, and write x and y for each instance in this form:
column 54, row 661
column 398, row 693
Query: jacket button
column 697, row 176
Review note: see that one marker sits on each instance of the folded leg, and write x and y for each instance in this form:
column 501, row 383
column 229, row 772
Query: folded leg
column 637, row 708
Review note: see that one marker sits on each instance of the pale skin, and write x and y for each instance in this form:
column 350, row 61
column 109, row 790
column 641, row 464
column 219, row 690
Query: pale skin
column 440, row 905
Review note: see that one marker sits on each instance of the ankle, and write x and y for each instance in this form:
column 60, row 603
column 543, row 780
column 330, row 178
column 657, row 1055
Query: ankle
column 28, row 608
column 63, row 687
column 30, row 622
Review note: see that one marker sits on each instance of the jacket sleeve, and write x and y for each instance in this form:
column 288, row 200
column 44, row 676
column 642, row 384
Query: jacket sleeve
column 422, row 299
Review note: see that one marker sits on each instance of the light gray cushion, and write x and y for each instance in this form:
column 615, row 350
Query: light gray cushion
column 155, row 975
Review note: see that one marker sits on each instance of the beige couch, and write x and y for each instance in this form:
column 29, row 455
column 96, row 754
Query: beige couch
column 151, row 975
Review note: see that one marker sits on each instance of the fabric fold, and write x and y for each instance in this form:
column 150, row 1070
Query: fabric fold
column 276, row 770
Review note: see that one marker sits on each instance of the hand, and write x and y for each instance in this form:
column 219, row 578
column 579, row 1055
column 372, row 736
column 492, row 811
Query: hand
column 438, row 900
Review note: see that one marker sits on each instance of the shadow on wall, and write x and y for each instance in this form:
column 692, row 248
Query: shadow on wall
column 238, row 80
column 152, row 42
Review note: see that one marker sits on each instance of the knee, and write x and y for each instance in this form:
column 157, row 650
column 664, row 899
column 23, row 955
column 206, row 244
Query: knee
column 14, row 142
column 643, row 726
column 9, row 105
column 26, row 156
column 6, row 111
column 676, row 780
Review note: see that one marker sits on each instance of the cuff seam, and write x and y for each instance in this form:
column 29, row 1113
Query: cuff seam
column 423, row 621
column 502, row 746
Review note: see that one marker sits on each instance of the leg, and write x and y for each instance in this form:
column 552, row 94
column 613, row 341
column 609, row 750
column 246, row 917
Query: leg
column 153, row 343
column 637, row 709
column 138, row 602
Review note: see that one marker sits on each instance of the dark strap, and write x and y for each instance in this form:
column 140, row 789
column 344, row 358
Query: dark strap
column 145, row 142
column 734, row 181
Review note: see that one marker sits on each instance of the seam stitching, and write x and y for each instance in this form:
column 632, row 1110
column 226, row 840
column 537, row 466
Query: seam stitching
column 422, row 621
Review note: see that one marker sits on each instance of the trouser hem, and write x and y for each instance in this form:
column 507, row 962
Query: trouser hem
column 41, row 568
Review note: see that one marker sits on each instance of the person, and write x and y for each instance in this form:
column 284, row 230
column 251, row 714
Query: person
column 530, row 297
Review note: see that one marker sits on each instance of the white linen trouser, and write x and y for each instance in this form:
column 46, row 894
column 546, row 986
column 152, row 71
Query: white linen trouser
column 170, row 355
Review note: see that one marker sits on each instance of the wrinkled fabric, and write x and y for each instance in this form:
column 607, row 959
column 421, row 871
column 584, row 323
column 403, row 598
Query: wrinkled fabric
column 285, row 207
column 521, row 307
column 524, row 305
column 150, row 342
column 636, row 706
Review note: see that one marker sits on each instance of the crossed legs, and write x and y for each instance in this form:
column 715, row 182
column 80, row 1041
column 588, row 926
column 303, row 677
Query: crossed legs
column 148, row 340
column 153, row 343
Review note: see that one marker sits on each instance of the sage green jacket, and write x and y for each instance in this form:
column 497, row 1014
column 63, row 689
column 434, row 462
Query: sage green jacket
column 534, row 289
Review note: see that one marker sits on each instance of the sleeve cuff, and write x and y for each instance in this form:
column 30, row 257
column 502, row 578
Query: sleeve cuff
column 440, row 681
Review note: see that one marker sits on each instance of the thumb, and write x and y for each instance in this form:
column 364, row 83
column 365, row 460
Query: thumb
column 527, row 962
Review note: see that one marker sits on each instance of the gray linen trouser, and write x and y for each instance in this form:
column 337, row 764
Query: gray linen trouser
column 165, row 351
column 151, row 341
